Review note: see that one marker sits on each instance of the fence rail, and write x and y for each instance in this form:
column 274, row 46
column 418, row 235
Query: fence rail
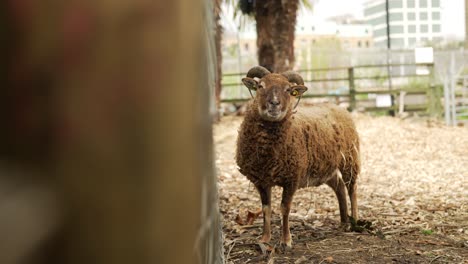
column 355, row 93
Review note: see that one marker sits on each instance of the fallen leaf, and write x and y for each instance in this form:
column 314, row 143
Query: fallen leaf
column 239, row 220
column 252, row 216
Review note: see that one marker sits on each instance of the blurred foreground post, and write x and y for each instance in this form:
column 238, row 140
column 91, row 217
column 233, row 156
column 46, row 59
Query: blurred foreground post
column 106, row 108
column 466, row 24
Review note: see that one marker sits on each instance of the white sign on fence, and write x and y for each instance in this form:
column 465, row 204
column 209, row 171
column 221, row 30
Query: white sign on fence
column 424, row 55
column 383, row 100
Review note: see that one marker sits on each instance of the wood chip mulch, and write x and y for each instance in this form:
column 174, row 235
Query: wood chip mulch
column 413, row 188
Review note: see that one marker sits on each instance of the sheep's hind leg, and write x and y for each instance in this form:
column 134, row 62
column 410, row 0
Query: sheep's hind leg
column 337, row 184
column 353, row 198
column 350, row 177
column 288, row 193
column 265, row 196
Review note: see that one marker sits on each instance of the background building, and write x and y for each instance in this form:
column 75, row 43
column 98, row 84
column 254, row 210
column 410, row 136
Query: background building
column 412, row 22
column 315, row 34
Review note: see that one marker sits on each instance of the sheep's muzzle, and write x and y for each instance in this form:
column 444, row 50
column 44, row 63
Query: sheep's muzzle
column 273, row 104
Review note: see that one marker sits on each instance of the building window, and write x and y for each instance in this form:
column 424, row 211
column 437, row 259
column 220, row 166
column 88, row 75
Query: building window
column 435, row 3
column 422, row 3
column 396, row 4
column 396, row 29
column 411, row 41
column 359, row 44
column 367, row 43
column 410, row 3
column 313, row 28
column 246, row 46
column 423, row 28
column 435, row 15
column 436, row 28
column 411, row 16
column 411, row 28
column 423, row 16
column 396, row 17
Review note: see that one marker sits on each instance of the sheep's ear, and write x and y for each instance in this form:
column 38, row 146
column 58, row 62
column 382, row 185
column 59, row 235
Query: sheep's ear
column 298, row 90
column 250, row 83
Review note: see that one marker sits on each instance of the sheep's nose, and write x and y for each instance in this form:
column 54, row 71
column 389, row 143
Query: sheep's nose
column 274, row 102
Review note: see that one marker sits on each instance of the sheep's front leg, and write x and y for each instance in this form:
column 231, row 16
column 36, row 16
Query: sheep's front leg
column 288, row 193
column 265, row 196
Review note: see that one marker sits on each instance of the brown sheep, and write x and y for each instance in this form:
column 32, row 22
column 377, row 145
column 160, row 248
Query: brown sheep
column 278, row 146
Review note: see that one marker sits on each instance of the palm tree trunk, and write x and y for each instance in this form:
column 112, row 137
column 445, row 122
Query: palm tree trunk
column 284, row 24
column 264, row 19
column 276, row 22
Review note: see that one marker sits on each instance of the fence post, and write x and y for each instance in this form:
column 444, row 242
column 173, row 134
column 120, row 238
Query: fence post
column 352, row 89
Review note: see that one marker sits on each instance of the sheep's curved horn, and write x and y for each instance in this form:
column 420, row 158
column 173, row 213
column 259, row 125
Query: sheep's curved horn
column 257, row 71
column 293, row 77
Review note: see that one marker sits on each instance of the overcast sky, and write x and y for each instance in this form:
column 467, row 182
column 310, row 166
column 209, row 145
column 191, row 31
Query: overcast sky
column 453, row 18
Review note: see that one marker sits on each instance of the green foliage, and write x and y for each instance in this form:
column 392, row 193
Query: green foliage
column 233, row 50
column 427, row 232
column 246, row 6
column 434, row 95
column 244, row 9
column 324, row 59
column 464, row 71
column 416, row 83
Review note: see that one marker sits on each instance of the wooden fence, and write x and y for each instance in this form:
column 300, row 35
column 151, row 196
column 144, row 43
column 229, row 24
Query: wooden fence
column 106, row 153
column 359, row 86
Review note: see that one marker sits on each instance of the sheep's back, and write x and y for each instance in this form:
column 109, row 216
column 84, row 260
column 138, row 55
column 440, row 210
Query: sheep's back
column 331, row 140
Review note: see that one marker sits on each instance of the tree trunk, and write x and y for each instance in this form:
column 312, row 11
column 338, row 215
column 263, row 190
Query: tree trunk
column 265, row 49
column 276, row 22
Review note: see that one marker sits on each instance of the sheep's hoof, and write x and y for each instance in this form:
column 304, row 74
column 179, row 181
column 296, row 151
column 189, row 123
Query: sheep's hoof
column 286, row 243
column 285, row 246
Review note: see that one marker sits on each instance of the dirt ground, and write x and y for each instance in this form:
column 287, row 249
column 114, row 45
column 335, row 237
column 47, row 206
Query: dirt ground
column 413, row 188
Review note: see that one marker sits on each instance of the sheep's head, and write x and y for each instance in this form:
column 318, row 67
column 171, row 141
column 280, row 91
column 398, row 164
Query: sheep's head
column 275, row 93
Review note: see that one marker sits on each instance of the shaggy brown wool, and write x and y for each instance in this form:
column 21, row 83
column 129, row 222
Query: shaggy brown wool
column 304, row 148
